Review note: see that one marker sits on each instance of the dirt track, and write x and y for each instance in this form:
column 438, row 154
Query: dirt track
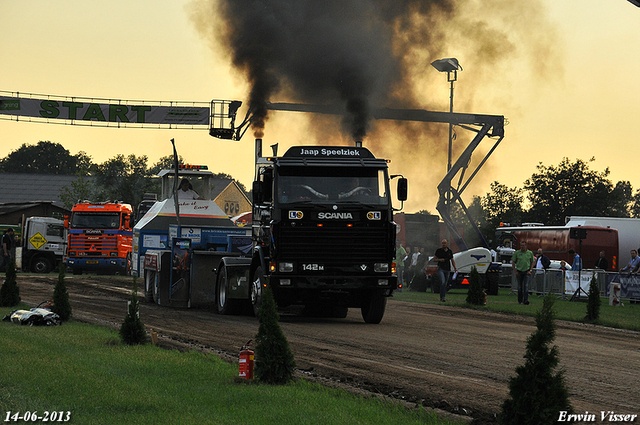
column 451, row 358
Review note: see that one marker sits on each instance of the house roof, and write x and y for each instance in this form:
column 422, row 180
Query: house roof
column 218, row 185
column 20, row 188
column 24, row 187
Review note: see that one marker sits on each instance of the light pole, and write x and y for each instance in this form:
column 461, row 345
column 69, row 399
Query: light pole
column 451, row 67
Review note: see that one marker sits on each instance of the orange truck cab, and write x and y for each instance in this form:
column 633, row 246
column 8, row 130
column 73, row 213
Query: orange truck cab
column 100, row 237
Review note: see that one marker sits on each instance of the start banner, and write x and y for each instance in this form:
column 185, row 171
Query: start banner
column 106, row 111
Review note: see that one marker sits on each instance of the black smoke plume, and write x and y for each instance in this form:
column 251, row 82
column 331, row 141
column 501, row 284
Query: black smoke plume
column 365, row 54
column 328, row 51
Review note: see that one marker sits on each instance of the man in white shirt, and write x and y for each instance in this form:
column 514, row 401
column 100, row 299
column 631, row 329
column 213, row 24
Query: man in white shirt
column 185, row 191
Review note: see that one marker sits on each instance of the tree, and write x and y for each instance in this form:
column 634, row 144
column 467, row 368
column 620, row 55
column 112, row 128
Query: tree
column 79, row 189
column 274, row 360
column 593, row 301
column 572, row 188
column 132, row 329
column 475, row 294
column 503, row 204
column 537, row 394
column 477, row 212
column 164, row 163
column 634, row 205
column 61, row 305
column 123, row 179
column 44, row 158
column 9, row 292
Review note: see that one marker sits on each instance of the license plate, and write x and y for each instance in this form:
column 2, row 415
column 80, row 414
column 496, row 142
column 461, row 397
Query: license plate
column 92, row 262
column 314, row 267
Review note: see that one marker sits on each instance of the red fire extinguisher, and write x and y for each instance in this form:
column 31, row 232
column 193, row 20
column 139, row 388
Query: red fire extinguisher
column 246, row 362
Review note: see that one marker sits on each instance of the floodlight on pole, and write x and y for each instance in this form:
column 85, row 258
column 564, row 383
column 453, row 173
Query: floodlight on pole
column 451, row 67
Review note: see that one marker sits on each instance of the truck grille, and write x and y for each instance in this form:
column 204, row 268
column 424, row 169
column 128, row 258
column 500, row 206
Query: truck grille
column 93, row 246
column 334, row 244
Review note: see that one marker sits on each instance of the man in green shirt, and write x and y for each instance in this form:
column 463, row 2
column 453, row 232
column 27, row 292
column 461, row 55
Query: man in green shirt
column 523, row 262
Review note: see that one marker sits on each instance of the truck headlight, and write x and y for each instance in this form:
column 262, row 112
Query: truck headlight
column 383, row 282
column 285, row 282
column 381, row 267
column 285, row 267
column 113, row 254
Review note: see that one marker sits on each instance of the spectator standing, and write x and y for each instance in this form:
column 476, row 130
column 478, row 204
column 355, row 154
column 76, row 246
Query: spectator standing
column 401, row 253
column 563, row 265
column 407, row 265
column 414, row 262
column 542, row 261
column 633, row 263
column 7, row 241
column 577, row 261
column 602, row 262
column 523, row 262
column 444, row 258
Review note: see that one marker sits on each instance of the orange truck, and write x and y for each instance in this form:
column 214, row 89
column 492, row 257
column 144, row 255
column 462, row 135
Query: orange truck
column 100, row 238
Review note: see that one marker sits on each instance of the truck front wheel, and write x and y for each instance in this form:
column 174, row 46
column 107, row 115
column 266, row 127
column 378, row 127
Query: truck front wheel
column 373, row 307
column 257, row 283
column 41, row 265
column 224, row 303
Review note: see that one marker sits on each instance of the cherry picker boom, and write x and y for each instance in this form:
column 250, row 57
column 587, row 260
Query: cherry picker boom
column 491, row 126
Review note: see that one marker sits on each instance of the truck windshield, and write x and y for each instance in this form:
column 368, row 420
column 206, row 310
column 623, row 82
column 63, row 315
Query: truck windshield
column 95, row 220
column 320, row 185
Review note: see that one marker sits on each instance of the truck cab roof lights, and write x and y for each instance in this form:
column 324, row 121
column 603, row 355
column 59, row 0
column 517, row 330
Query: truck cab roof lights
column 192, row 167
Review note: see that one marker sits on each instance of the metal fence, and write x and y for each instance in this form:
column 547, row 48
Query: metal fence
column 565, row 284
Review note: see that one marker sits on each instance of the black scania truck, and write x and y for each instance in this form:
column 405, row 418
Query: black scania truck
column 323, row 234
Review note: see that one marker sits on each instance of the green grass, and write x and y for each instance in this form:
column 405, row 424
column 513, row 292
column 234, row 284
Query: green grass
column 627, row 317
column 85, row 370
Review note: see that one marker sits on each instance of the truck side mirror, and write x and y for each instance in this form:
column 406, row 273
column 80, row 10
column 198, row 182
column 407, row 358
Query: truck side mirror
column 66, row 221
column 402, row 189
column 127, row 221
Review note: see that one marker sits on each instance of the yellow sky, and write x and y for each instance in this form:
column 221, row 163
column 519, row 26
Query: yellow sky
column 586, row 105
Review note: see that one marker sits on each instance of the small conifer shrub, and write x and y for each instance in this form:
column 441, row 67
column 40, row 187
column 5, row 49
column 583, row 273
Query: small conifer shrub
column 537, row 393
column 9, row 292
column 475, row 294
column 593, row 301
column 132, row 330
column 61, row 305
column 274, row 360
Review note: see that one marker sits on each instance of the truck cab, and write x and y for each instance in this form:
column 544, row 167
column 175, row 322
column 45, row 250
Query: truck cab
column 323, row 231
column 44, row 244
column 100, row 238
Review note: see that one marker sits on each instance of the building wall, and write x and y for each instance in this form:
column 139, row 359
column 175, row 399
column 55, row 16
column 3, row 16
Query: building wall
column 233, row 201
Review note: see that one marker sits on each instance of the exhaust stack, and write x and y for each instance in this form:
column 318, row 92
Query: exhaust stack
column 258, row 149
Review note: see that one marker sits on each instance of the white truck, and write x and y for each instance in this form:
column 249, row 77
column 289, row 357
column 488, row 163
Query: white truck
column 44, row 244
column 628, row 234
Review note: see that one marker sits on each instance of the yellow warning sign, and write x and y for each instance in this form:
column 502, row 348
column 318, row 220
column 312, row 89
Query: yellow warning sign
column 37, row 240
